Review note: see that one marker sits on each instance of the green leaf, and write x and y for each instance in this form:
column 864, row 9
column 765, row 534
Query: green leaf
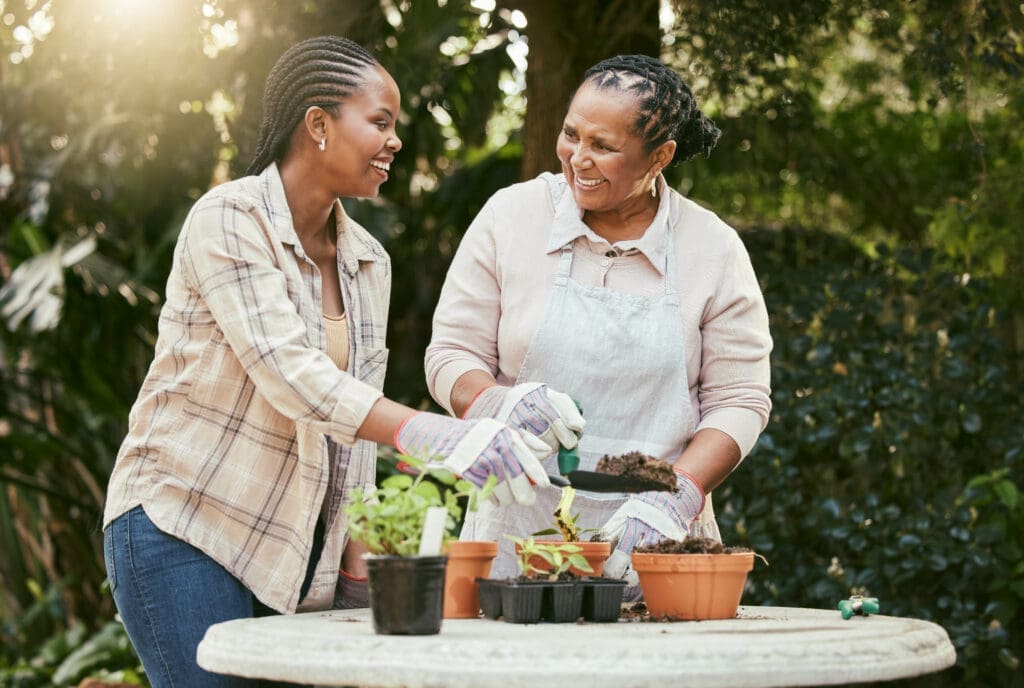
column 399, row 481
column 1007, row 493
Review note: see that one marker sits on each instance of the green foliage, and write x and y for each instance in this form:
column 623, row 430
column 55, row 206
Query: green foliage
column 892, row 461
column 556, row 557
column 891, row 120
column 390, row 518
column 66, row 657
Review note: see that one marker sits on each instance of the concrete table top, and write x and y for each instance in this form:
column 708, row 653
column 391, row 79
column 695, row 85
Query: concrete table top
column 762, row 646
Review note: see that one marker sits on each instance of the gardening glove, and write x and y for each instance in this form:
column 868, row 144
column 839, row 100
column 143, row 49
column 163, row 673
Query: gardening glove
column 534, row 408
column 477, row 449
column 351, row 592
column 648, row 518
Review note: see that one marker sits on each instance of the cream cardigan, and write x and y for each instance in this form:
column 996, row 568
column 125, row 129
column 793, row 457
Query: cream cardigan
column 498, row 285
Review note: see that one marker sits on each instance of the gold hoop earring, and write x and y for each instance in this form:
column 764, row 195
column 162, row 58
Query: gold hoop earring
column 323, row 143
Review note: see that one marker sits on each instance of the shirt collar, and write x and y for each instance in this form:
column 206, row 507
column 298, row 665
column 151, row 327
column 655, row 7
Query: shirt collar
column 352, row 246
column 567, row 224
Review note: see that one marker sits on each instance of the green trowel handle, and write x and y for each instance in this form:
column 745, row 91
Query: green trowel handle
column 568, row 460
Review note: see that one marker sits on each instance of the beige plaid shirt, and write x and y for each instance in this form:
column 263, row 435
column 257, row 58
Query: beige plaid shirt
column 227, row 445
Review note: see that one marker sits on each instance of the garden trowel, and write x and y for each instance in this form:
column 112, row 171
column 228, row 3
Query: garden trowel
column 592, row 481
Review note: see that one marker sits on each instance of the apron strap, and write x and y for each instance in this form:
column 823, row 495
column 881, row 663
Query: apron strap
column 564, row 265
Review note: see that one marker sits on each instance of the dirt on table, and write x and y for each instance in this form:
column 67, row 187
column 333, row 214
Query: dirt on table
column 691, row 546
column 640, row 466
column 637, row 612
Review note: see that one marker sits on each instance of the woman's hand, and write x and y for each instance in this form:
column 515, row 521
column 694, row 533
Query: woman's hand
column 352, row 561
column 649, row 518
column 477, row 449
column 534, row 408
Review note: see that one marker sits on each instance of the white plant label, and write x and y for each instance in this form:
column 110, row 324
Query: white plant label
column 433, row 531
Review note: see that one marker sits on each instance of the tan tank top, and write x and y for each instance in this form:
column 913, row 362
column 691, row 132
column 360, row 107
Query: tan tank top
column 337, row 339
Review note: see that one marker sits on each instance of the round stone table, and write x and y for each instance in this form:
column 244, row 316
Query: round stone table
column 762, row 646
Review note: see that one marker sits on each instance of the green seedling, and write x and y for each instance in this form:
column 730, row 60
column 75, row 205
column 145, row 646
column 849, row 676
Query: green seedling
column 389, row 519
column 557, row 558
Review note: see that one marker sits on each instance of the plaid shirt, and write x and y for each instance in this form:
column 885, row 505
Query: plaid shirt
column 228, row 442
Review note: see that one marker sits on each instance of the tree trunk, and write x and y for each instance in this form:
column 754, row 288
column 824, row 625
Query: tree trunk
column 565, row 39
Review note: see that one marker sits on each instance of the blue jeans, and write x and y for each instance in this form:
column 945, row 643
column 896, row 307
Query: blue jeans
column 168, row 593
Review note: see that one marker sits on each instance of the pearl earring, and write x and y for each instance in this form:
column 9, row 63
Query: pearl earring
column 323, row 143
column 654, row 188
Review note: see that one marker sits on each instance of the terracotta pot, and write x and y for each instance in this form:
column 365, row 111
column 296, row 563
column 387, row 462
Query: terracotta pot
column 594, row 552
column 467, row 561
column 692, row 586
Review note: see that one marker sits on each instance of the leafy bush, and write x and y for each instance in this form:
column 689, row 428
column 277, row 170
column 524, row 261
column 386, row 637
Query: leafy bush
column 892, row 461
column 67, row 655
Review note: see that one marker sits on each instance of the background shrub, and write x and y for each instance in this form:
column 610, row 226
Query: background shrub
column 892, row 461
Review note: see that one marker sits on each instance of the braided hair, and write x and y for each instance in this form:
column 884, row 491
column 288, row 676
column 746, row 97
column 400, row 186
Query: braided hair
column 321, row 71
column 667, row 109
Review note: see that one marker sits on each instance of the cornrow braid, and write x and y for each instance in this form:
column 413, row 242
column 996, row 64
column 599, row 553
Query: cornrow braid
column 321, row 71
column 667, row 109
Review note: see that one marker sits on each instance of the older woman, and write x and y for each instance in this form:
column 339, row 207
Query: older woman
column 610, row 287
column 262, row 407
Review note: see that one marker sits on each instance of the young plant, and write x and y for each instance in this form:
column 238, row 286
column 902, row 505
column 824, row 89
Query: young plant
column 556, row 558
column 565, row 521
column 389, row 519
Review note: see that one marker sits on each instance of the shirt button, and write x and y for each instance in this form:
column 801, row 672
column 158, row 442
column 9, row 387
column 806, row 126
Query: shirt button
column 605, row 262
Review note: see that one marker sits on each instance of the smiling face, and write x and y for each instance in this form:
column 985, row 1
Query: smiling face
column 603, row 158
column 361, row 140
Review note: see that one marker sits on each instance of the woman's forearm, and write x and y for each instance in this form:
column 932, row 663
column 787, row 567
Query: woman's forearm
column 383, row 421
column 709, row 457
column 467, row 387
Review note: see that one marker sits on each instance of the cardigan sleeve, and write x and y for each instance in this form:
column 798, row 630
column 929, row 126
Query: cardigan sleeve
column 465, row 326
column 735, row 372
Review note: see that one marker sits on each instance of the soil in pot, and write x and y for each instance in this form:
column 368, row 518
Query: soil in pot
column 691, row 546
column 640, row 466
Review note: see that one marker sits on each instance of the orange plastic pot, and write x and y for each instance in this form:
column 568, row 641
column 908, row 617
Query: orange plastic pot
column 685, row 587
column 467, row 561
column 594, row 552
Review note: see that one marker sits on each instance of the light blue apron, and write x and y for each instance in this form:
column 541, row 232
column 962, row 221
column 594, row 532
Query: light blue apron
column 622, row 358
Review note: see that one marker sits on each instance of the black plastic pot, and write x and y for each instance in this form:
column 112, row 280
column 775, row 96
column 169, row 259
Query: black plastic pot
column 521, row 600
column 561, row 602
column 406, row 594
column 490, row 596
column 601, row 598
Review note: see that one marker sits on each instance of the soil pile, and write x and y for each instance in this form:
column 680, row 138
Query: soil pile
column 641, row 467
column 690, row 546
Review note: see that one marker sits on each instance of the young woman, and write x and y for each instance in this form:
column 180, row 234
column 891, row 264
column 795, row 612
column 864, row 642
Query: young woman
column 262, row 407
